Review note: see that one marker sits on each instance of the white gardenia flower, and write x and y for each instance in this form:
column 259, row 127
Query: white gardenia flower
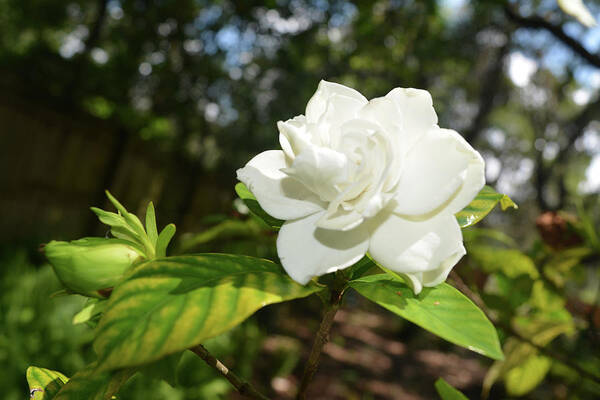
column 357, row 176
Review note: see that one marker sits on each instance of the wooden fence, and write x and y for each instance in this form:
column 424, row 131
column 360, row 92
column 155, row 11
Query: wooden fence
column 54, row 166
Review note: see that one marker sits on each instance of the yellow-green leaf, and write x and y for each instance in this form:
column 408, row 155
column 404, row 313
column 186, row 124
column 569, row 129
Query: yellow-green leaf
column 44, row 383
column 485, row 202
column 170, row 304
column 526, row 376
column 163, row 240
column 92, row 309
column 230, row 228
column 151, row 229
column 447, row 391
column 510, row 262
column 442, row 310
column 91, row 384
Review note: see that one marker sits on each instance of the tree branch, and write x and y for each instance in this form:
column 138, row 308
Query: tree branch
column 491, row 83
column 557, row 31
column 94, row 35
column 243, row 387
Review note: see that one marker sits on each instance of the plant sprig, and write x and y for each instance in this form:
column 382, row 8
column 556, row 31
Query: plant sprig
column 127, row 226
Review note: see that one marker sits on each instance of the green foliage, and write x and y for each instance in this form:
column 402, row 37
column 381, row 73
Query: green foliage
column 522, row 369
column 531, row 307
column 151, row 229
column 91, row 312
column 409, row 43
column 228, row 229
column 510, row 262
column 35, row 329
column 447, row 392
column 44, row 383
column 560, row 267
column 250, row 201
column 89, row 384
column 441, row 310
column 127, row 226
column 171, row 304
column 481, row 206
column 163, row 240
column 527, row 375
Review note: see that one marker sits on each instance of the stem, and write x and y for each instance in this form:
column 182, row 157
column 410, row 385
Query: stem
column 322, row 337
column 243, row 387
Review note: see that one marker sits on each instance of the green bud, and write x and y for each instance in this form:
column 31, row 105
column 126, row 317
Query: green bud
column 88, row 265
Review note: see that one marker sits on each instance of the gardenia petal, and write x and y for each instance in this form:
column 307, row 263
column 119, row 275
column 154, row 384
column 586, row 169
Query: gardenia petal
column 293, row 136
column 474, row 178
column 306, row 250
column 319, row 169
column 333, row 95
column 440, row 172
column 433, row 278
column 426, row 249
column 414, row 111
column 278, row 194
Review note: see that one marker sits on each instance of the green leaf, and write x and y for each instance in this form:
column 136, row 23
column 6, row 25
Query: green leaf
column 558, row 268
column 168, row 305
column 544, row 326
column 363, row 266
column 511, row 262
column 131, row 219
column 447, row 392
column 135, row 224
column 119, row 227
column 164, row 369
column 90, row 384
column 515, row 353
column 231, row 228
column 44, row 383
column 526, row 376
column 522, row 369
column 246, row 195
column 483, row 203
column 92, row 309
column 442, row 310
column 151, row 224
column 478, row 235
column 164, row 239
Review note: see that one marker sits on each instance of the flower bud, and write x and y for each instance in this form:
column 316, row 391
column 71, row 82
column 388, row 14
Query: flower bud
column 87, row 265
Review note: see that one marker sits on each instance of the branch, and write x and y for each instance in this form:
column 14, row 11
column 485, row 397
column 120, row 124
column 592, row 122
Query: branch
column 536, row 22
column 313, row 360
column 243, row 387
column 322, row 337
column 491, row 83
column 94, row 36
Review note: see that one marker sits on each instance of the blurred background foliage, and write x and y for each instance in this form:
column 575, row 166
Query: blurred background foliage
column 162, row 100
